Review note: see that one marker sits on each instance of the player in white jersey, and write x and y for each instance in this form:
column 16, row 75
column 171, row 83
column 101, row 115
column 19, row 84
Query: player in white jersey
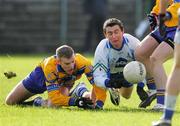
column 111, row 55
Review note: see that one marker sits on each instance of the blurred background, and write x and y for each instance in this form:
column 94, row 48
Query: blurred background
column 40, row 26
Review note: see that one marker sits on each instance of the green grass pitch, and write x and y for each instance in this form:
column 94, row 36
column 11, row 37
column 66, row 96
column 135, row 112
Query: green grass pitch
column 126, row 114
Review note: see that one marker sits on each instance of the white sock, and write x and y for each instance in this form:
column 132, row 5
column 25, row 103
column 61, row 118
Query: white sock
column 170, row 102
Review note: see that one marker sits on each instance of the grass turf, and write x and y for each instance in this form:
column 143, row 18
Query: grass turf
column 126, row 114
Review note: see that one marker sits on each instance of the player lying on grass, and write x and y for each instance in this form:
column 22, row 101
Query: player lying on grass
column 111, row 56
column 57, row 74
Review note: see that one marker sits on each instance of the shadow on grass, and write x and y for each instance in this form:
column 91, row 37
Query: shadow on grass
column 105, row 110
column 118, row 109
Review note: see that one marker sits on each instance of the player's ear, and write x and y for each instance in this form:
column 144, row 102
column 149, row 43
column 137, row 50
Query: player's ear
column 105, row 34
column 122, row 30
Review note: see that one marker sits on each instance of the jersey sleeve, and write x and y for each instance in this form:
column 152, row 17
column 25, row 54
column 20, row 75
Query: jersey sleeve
column 83, row 61
column 89, row 73
column 156, row 8
column 101, row 68
column 100, row 93
column 173, row 11
column 57, row 98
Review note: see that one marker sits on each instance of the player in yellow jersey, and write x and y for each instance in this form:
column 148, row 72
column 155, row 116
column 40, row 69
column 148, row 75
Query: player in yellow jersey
column 57, row 74
column 157, row 47
column 172, row 87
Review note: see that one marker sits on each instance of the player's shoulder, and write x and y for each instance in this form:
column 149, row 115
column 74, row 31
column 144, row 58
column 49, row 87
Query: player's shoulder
column 50, row 60
column 49, row 64
column 81, row 60
column 80, row 56
column 103, row 45
column 130, row 38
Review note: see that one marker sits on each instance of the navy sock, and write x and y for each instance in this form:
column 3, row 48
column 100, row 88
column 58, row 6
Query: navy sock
column 151, row 84
column 72, row 102
column 168, row 114
column 160, row 96
column 140, row 84
column 99, row 104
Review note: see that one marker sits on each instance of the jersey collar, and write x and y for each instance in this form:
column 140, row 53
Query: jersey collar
column 59, row 68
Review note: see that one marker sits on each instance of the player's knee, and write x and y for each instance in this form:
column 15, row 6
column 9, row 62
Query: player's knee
column 155, row 60
column 9, row 101
column 139, row 56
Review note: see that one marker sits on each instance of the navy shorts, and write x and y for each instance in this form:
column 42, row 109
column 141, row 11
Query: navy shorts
column 169, row 37
column 35, row 81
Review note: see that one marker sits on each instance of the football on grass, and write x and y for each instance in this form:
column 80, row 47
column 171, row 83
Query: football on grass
column 134, row 72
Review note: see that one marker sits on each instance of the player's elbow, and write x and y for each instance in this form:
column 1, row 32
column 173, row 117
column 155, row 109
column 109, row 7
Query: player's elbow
column 139, row 56
column 155, row 60
column 54, row 102
column 58, row 101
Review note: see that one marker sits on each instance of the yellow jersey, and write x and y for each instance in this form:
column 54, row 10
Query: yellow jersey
column 56, row 76
column 172, row 9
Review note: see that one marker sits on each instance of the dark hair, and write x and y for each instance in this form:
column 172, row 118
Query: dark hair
column 111, row 22
column 64, row 51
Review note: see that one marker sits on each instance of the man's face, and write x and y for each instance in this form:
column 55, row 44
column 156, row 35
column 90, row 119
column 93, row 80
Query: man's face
column 115, row 35
column 67, row 64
